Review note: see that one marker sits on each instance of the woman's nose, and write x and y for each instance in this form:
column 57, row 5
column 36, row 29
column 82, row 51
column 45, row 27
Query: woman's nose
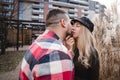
column 73, row 28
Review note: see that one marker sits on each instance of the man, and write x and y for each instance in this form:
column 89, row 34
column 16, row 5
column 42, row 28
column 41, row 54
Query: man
column 47, row 58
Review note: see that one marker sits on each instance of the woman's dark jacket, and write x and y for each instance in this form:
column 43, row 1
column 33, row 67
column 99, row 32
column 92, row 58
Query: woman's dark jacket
column 83, row 73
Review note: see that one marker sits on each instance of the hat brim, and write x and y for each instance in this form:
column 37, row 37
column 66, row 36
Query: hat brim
column 79, row 20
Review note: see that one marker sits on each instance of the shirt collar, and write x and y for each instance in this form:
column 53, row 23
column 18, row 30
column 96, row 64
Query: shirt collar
column 52, row 34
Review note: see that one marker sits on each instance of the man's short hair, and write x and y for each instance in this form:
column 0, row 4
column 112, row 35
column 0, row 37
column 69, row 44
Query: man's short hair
column 54, row 16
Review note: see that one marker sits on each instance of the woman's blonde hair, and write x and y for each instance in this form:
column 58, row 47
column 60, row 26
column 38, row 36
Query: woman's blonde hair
column 85, row 43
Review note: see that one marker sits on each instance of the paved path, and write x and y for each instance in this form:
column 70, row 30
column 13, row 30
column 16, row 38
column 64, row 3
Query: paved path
column 12, row 75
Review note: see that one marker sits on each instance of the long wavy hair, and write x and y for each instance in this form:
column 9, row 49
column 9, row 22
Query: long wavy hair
column 86, row 45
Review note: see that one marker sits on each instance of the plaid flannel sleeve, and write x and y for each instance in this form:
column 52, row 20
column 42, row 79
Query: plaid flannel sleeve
column 56, row 65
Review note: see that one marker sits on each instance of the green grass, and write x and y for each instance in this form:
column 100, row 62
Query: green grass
column 10, row 60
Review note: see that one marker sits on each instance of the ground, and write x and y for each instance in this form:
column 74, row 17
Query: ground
column 10, row 65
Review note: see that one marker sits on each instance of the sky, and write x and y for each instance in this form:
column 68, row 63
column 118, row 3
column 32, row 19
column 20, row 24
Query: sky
column 107, row 3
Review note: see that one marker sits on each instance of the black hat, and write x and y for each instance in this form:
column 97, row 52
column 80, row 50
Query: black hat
column 85, row 21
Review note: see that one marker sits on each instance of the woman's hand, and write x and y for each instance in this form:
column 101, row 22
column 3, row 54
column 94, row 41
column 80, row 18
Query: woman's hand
column 69, row 43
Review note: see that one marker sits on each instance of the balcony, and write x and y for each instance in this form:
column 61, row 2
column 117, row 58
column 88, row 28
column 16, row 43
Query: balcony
column 73, row 15
column 63, row 4
column 97, row 6
column 8, row 14
column 72, row 10
column 8, row 8
column 7, row 2
column 85, row 7
column 52, row 7
column 37, row 17
column 37, row 11
column 37, row 6
column 84, row 15
column 84, row 11
column 97, row 10
column 80, row 2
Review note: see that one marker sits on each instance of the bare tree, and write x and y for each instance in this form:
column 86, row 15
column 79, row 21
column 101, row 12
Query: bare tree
column 6, row 21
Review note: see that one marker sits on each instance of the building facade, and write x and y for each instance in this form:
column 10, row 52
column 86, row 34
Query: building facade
column 37, row 10
column 32, row 13
column 96, row 8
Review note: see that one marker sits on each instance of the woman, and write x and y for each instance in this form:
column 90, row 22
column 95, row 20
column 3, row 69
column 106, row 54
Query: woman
column 86, row 60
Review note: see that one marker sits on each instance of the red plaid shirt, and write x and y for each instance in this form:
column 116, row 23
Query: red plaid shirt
column 47, row 59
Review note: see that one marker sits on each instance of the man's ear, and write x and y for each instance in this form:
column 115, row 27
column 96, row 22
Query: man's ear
column 62, row 22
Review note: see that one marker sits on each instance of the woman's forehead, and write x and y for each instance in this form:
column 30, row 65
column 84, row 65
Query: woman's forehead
column 77, row 23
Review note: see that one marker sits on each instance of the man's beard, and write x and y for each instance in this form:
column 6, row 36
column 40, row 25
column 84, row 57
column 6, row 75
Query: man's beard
column 69, row 34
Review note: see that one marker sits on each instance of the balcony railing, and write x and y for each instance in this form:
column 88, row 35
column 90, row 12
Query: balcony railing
column 84, row 12
column 37, row 6
column 37, row 17
column 80, row 2
column 97, row 10
column 73, row 10
column 37, row 11
column 73, row 15
column 8, row 14
column 7, row 0
column 97, row 6
column 8, row 8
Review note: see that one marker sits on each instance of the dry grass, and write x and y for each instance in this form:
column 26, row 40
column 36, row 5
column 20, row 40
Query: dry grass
column 109, row 54
column 108, row 43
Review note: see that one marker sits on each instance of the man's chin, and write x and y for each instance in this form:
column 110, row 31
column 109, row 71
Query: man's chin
column 69, row 34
